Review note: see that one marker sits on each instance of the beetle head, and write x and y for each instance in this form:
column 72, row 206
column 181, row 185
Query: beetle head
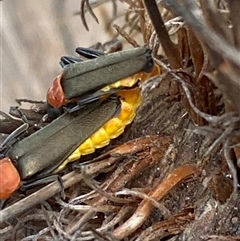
column 55, row 94
column 9, row 178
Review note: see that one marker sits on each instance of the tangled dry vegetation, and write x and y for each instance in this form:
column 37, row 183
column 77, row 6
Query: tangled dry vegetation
column 173, row 175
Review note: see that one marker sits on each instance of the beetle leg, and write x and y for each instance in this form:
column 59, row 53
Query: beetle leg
column 92, row 97
column 89, row 53
column 34, row 117
column 18, row 132
column 8, row 124
column 92, row 52
column 44, row 180
column 65, row 60
column 84, row 100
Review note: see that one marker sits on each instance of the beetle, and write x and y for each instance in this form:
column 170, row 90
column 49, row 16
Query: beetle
column 83, row 81
column 39, row 155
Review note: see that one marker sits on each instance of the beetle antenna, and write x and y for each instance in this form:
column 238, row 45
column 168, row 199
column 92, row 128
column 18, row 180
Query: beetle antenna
column 16, row 133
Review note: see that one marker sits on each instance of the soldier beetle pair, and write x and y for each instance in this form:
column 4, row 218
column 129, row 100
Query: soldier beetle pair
column 104, row 99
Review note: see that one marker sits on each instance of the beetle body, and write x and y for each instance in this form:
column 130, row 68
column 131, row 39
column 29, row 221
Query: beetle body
column 82, row 79
column 39, row 154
